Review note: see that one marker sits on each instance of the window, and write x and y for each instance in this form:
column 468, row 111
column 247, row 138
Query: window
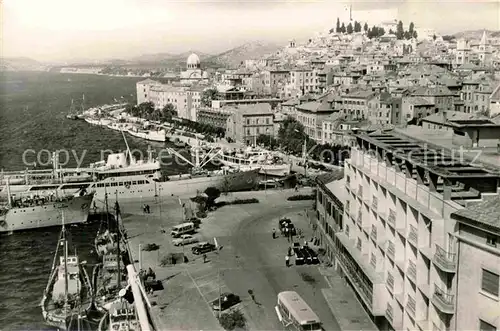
column 484, row 326
column 490, row 282
column 491, row 240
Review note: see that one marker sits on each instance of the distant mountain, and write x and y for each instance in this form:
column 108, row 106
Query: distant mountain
column 20, row 64
column 252, row 50
column 476, row 34
column 164, row 58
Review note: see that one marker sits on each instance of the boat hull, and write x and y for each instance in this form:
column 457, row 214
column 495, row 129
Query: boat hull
column 76, row 210
column 149, row 135
column 240, row 181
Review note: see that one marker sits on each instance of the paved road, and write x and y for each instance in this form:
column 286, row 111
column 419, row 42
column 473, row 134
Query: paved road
column 251, row 259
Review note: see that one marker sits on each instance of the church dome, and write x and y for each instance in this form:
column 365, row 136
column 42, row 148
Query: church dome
column 193, row 61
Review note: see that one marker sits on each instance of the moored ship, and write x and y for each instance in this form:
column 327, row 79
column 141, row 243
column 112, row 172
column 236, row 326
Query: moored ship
column 68, row 292
column 130, row 179
column 31, row 212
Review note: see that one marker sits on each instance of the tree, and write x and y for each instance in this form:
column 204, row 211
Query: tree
column 448, row 38
column 212, row 194
column 146, row 109
column 207, row 96
column 168, row 112
column 232, row 320
column 411, row 28
column 366, row 27
column 415, row 35
column 267, row 141
column 342, row 28
column 434, row 37
column 407, row 35
column 400, row 31
column 337, row 27
column 357, row 26
column 391, row 32
column 349, row 28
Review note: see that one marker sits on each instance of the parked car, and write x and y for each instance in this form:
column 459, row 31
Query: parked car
column 185, row 239
column 282, row 223
column 299, row 256
column 227, row 300
column 312, row 254
column 306, row 254
column 203, row 247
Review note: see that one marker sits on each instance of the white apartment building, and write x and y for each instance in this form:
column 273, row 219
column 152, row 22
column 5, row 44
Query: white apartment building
column 478, row 271
column 395, row 240
column 185, row 99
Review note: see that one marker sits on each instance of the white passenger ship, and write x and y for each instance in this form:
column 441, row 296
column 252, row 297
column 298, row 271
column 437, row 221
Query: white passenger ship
column 126, row 178
column 24, row 211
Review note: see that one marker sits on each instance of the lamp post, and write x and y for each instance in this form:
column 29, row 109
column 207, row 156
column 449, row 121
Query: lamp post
column 304, row 151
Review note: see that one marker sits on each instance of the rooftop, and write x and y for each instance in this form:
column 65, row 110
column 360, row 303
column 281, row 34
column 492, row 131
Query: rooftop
column 429, row 157
column 486, row 213
column 460, row 120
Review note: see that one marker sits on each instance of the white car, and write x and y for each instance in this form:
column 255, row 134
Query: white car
column 184, row 239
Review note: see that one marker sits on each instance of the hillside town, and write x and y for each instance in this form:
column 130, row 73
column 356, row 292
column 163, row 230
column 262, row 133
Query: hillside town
column 411, row 219
column 350, row 181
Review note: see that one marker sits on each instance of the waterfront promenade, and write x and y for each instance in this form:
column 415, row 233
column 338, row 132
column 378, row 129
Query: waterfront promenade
column 249, row 260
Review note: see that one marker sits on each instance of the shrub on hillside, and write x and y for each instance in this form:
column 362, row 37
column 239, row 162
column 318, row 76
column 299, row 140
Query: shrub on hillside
column 232, row 320
column 300, row 197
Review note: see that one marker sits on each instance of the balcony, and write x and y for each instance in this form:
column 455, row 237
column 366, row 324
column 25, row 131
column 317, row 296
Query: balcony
column 392, row 218
column 374, row 203
column 443, row 301
column 444, row 260
column 389, row 313
column 389, row 282
column 391, row 250
column 360, row 191
column 413, row 236
column 411, row 271
column 411, row 306
column 373, row 234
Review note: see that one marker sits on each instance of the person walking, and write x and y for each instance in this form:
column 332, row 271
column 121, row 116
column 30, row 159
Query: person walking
column 287, row 260
column 289, row 251
column 204, row 258
column 274, row 233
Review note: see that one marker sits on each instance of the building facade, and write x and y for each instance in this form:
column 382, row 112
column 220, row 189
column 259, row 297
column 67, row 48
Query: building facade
column 396, row 241
column 478, row 271
column 247, row 122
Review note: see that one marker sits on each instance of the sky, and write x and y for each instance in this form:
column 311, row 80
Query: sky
column 58, row 30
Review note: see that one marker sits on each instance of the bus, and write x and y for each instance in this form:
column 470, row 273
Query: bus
column 294, row 312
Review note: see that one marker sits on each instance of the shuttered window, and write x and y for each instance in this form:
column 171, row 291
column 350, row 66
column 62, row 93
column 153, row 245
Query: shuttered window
column 490, row 282
column 483, row 326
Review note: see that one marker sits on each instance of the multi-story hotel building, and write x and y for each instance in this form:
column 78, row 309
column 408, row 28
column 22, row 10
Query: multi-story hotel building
column 395, row 239
column 478, row 270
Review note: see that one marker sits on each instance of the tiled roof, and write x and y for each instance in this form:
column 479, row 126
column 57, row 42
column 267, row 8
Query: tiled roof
column 419, row 101
column 259, row 108
column 486, row 212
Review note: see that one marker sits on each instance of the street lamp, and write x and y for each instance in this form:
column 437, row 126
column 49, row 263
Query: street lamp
column 304, row 151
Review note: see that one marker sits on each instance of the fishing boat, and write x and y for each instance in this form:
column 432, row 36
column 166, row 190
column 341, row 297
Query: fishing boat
column 72, row 114
column 130, row 310
column 68, row 292
column 121, row 316
column 109, row 277
column 106, row 240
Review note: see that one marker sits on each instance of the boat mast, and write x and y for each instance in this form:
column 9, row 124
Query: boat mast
column 106, row 203
column 65, row 243
column 128, row 148
column 118, row 232
column 9, row 198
